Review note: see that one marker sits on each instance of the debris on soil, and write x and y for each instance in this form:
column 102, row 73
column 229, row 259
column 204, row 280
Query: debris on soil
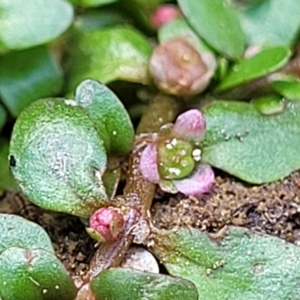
column 271, row 208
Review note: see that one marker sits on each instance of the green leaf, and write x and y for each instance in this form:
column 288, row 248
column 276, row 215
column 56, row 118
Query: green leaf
column 243, row 265
column 108, row 114
column 7, row 181
column 16, row 231
column 263, row 63
column 29, row 23
column 217, row 23
column 129, row 284
column 118, row 53
column 269, row 104
column 35, row 275
column 57, row 158
column 94, row 3
column 272, row 22
column 26, row 76
column 180, row 28
column 2, row 116
column 254, row 147
column 287, row 86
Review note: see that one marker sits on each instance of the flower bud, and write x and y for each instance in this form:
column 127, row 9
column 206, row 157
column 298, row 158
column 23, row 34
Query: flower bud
column 164, row 14
column 106, row 224
column 178, row 68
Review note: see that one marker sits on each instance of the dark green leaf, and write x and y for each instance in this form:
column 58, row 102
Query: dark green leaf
column 7, row 181
column 59, row 158
column 263, row 63
column 129, row 284
column 254, row 147
column 217, row 23
column 2, row 116
column 119, row 53
column 35, row 275
column 16, row 231
column 108, row 114
column 29, row 23
column 272, row 22
column 27, row 76
column 243, row 265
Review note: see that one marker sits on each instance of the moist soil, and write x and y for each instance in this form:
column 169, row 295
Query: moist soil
column 270, row 208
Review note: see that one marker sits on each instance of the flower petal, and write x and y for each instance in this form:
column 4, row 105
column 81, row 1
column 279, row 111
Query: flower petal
column 148, row 163
column 190, row 125
column 199, row 182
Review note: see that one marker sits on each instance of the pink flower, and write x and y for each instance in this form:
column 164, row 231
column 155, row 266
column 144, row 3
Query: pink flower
column 164, row 14
column 106, row 224
column 173, row 160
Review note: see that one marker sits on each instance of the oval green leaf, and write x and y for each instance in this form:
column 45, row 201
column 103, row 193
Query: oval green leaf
column 94, row 3
column 29, row 23
column 16, row 231
column 119, row 53
column 243, row 265
column 272, row 22
column 249, row 145
column 108, row 114
column 28, row 75
column 269, row 105
column 35, row 275
column 217, row 23
column 287, row 86
column 57, row 158
column 129, row 284
column 263, row 63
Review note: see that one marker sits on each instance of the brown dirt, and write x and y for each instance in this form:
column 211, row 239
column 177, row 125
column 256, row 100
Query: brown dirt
column 271, row 208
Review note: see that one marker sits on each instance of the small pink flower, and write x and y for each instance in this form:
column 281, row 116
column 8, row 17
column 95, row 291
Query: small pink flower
column 173, row 160
column 164, row 14
column 106, row 224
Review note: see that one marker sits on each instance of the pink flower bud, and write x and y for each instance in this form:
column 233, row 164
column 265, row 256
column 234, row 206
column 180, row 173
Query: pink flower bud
column 164, row 14
column 178, row 68
column 106, row 224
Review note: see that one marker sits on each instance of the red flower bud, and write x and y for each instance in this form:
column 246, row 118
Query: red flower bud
column 164, row 14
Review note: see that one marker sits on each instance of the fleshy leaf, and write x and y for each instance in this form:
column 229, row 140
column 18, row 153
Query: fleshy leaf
column 23, row 22
column 118, row 53
column 254, row 147
column 243, row 265
column 19, row 71
column 263, row 63
column 7, row 181
column 267, row 22
column 269, row 105
column 16, row 231
column 217, row 23
column 57, row 158
column 129, row 284
column 93, row 3
column 108, row 114
column 287, row 86
column 35, row 275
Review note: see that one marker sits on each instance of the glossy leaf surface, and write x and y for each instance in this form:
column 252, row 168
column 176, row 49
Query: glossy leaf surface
column 265, row 62
column 108, row 114
column 58, row 157
column 242, row 265
column 255, row 147
column 29, row 23
column 19, row 232
column 35, row 275
column 217, row 23
column 129, row 284
column 26, row 76
column 117, row 53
